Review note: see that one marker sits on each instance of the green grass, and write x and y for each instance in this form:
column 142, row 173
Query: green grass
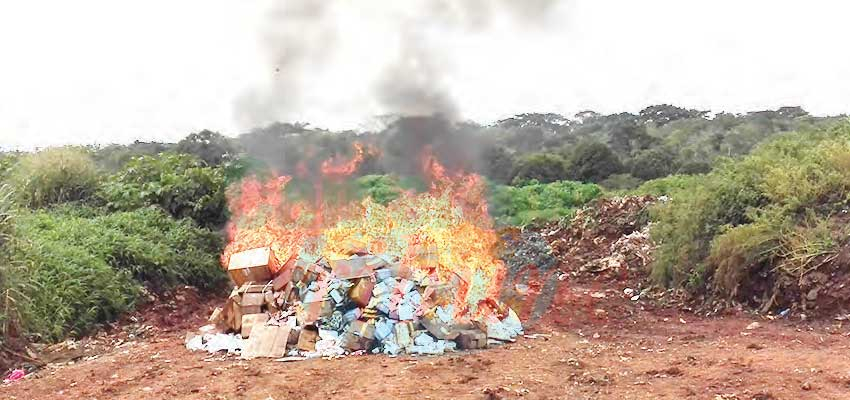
column 77, row 268
column 539, row 202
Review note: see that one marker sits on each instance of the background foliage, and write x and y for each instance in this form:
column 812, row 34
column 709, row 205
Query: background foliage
column 760, row 223
column 84, row 231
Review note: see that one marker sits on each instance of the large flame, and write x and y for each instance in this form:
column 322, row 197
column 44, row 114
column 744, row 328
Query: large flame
column 445, row 233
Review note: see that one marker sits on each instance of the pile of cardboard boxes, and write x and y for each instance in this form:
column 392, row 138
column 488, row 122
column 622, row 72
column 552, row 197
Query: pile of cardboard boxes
column 362, row 304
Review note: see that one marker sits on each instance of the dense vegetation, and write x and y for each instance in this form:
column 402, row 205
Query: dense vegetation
column 761, row 224
column 81, row 244
column 85, row 231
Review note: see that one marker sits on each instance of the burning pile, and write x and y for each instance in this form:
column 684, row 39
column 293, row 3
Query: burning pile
column 330, row 277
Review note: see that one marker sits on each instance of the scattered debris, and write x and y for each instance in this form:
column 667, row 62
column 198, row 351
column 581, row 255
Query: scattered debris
column 15, row 375
column 607, row 238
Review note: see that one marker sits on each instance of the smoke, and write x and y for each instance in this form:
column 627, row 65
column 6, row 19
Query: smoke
column 298, row 36
column 412, row 84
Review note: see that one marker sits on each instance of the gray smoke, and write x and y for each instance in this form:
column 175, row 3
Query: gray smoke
column 412, row 85
column 301, row 35
column 297, row 36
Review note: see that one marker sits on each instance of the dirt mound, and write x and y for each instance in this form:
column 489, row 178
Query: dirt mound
column 606, row 243
column 607, row 239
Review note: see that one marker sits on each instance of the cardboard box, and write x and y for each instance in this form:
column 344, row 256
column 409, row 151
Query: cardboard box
column 351, row 246
column 282, row 279
column 403, row 333
column 439, row 295
column 252, row 320
column 251, row 266
column 362, row 328
column 266, row 341
column 232, row 312
column 471, row 339
column 437, row 328
column 252, row 303
column 352, row 342
column 307, row 338
column 361, row 292
column 356, row 267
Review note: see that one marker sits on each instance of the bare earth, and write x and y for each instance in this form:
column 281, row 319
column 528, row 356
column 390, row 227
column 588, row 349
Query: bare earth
column 596, row 348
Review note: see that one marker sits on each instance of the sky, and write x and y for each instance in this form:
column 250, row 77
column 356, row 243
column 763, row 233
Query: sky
column 110, row 71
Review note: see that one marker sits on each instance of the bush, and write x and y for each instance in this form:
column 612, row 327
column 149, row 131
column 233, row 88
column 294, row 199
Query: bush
column 620, row 182
column 67, row 290
column 667, row 185
column 758, row 223
column 79, row 271
column 592, row 162
column 52, row 176
column 653, row 163
column 179, row 183
column 212, row 147
column 541, row 167
column 381, row 188
column 538, row 202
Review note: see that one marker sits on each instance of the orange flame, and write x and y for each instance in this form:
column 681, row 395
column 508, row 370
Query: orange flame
column 445, row 233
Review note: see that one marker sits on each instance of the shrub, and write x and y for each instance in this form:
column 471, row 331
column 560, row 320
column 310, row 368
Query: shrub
column 54, row 176
column 179, row 183
column 592, row 162
column 766, row 218
column 81, row 268
column 67, row 289
column 542, row 167
column 538, row 202
column 211, row 147
column 653, row 163
column 620, row 182
column 381, row 188
column 667, row 185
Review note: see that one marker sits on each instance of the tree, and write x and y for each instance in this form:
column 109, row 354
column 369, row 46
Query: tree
column 629, row 136
column 543, row 167
column 212, row 147
column 663, row 114
column 498, row 164
column 112, row 157
column 792, row 112
column 694, row 168
column 653, row 163
column 592, row 161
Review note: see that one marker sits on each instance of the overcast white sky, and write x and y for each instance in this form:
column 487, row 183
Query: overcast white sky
column 103, row 71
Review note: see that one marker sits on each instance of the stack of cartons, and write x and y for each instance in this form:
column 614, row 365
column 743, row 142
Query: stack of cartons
column 363, row 303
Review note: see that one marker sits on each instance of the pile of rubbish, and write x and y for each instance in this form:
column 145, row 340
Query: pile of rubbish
column 330, row 308
column 606, row 239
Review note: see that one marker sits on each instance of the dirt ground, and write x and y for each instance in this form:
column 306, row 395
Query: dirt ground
column 601, row 346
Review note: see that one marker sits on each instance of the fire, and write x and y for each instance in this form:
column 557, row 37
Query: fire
column 443, row 234
column 336, row 167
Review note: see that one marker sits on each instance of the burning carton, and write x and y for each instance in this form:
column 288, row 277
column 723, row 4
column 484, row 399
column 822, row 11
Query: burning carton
column 252, row 266
column 316, row 313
